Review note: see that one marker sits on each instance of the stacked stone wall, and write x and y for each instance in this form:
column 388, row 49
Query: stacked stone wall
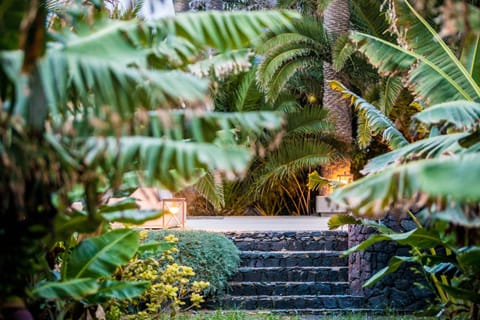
column 405, row 290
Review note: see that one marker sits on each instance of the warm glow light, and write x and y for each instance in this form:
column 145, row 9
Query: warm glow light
column 345, row 178
column 174, row 208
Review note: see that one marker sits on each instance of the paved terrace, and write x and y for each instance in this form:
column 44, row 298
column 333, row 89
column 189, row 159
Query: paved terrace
column 251, row 223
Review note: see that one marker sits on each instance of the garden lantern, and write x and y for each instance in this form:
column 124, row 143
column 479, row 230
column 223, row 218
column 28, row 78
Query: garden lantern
column 175, row 212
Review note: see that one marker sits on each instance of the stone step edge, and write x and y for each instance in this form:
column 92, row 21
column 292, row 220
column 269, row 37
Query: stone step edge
column 288, row 232
column 310, row 311
column 258, row 269
column 259, row 252
column 304, row 311
column 272, row 283
column 307, row 296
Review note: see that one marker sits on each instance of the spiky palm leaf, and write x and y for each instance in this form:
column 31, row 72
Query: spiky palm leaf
column 377, row 121
column 292, row 158
column 287, row 54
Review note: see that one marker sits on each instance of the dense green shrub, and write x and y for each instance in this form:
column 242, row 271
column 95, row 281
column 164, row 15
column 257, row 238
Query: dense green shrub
column 213, row 257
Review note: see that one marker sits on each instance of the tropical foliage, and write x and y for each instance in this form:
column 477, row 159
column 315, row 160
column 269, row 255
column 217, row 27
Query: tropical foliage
column 85, row 115
column 434, row 175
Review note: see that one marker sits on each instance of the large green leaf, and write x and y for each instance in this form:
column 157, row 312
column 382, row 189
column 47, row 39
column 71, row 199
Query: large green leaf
column 100, row 256
column 428, row 79
column 453, row 178
column 340, row 220
column 469, row 260
column 132, row 216
column 166, row 160
column 393, row 265
column 377, row 121
column 76, row 289
column 422, row 39
column 456, row 216
column 119, row 290
column 417, row 238
column 422, row 149
column 471, row 56
column 463, row 115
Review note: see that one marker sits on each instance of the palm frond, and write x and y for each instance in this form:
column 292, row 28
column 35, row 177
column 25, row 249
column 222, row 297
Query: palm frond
column 392, row 88
column 168, row 162
column 364, row 134
column 223, row 64
column 377, row 121
column 307, row 120
column 103, row 82
column 211, row 188
column 367, row 16
column 462, row 115
column 342, row 52
column 202, row 126
column 396, row 189
column 289, row 160
column 426, row 148
column 225, row 31
column 247, row 96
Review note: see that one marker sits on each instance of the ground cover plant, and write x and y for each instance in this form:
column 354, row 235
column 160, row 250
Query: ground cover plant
column 212, row 256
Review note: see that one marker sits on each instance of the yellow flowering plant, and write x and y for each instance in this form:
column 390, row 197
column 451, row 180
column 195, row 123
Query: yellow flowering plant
column 171, row 289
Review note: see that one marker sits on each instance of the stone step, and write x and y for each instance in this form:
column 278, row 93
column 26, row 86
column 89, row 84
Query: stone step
column 292, row 259
column 288, row 288
column 287, row 274
column 298, row 302
column 290, row 240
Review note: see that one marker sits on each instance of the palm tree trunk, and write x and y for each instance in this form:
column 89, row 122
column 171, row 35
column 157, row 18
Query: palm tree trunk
column 336, row 22
column 182, row 5
column 215, row 5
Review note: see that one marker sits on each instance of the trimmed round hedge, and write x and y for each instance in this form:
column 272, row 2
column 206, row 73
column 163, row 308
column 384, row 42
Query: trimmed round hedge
column 213, row 257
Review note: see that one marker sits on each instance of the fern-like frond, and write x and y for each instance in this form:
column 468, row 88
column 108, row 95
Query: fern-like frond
column 392, row 88
column 211, row 188
column 377, row 121
column 364, row 134
column 307, row 120
column 291, row 158
column 367, row 16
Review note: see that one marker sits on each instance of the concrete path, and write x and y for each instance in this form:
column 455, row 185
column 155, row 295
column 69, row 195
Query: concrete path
column 255, row 223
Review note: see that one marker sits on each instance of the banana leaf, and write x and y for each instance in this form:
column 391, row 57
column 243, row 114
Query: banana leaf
column 100, row 256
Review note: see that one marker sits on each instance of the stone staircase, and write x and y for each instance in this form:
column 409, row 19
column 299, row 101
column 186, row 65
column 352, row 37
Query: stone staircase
column 291, row 272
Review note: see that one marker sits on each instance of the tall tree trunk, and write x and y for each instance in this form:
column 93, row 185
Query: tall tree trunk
column 336, row 22
column 182, row 5
column 215, row 5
